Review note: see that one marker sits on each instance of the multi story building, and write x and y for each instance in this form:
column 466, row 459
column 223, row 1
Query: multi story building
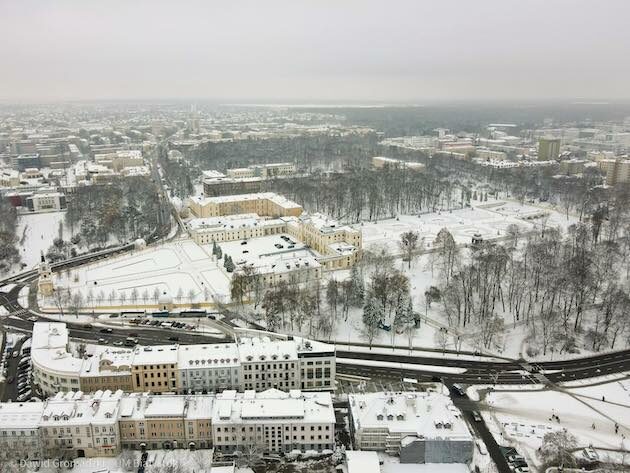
column 154, row 369
column 46, row 201
column 285, row 364
column 120, row 159
column 165, row 421
column 419, row 427
column 273, row 421
column 616, row 171
column 265, row 171
column 19, row 429
column 73, row 425
column 548, row 148
column 56, row 369
column 217, row 186
column 252, row 363
column 209, row 368
column 490, row 155
column 572, row 166
column 266, row 204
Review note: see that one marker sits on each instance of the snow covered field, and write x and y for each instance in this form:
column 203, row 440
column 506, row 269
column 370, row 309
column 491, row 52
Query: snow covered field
column 521, row 418
column 491, row 220
column 35, row 233
column 180, row 269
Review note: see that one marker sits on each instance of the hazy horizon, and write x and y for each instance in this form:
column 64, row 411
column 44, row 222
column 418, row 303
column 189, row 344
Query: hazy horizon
column 284, row 52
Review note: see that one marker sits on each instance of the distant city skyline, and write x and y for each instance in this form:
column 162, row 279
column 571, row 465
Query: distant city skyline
column 313, row 52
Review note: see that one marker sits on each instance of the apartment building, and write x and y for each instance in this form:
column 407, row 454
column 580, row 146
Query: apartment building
column 19, row 429
column 274, row 421
column 73, row 425
column 154, row 369
column 209, row 368
column 548, row 148
column 265, row 204
column 252, row 363
column 420, row 427
column 165, row 422
column 616, row 171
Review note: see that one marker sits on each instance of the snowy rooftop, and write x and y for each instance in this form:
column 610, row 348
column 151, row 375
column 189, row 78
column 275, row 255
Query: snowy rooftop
column 324, row 223
column 156, row 355
column 275, row 198
column 262, row 253
column 75, row 408
column 225, row 222
column 212, row 174
column 208, row 356
column 232, row 407
column 362, row 461
column 17, row 415
column 431, row 415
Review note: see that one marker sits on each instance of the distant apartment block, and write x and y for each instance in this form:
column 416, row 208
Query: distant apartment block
column 548, row 149
column 616, row 171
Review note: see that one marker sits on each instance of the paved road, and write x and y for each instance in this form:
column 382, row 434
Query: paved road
column 481, row 429
column 10, row 390
column 23, row 320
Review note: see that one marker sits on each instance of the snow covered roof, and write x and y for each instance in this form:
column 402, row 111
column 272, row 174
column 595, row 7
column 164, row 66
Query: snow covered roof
column 427, row 414
column 275, row 198
column 362, row 461
column 208, row 356
column 155, row 355
column 24, row 415
column 252, row 407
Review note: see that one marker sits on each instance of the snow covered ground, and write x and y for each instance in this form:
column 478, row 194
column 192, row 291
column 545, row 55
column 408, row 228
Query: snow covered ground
column 521, row 418
column 159, row 460
column 178, row 268
column 491, row 220
column 35, row 233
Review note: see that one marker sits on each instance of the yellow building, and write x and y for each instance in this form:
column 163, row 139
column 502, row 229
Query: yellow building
column 266, row 204
column 155, row 369
column 616, row 171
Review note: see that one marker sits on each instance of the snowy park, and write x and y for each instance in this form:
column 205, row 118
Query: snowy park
column 489, row 220
column 181, row 270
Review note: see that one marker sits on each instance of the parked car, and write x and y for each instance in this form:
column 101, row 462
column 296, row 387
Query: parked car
column 118, row 343
column 102, row 340
column 106, row 330
column 476, row 416
column 459, row 389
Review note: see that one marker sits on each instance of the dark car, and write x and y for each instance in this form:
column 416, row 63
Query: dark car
column 173, row 339
column 10, row 379
column 106, row 330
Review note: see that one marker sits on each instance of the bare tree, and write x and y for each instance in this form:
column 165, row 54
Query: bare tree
column 409, row 244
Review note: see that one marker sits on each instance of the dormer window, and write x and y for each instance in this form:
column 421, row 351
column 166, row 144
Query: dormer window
column 379, row 417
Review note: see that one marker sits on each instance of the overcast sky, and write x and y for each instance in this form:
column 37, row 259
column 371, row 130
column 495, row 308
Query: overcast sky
column 343, row 50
